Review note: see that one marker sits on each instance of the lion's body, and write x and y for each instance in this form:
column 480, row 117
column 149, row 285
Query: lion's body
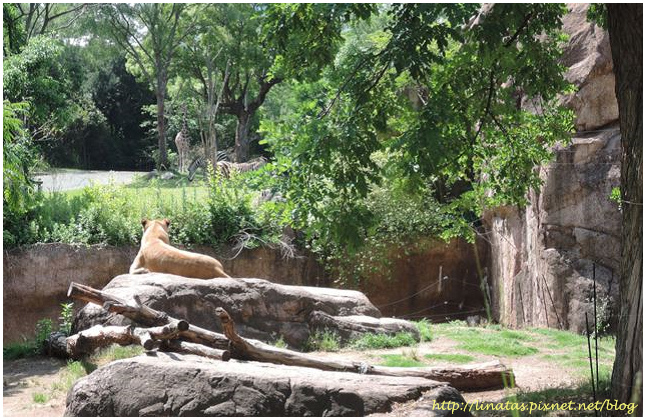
column 156, row 255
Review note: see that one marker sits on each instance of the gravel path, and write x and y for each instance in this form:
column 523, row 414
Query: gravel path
column 71, row 179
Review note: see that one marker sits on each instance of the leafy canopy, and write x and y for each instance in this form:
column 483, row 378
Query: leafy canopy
column 463, row 108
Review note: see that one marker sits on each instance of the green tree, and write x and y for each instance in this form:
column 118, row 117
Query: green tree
column 246, row 79
column 18, row 158
column 120, row 98
column 480, row 115
column 24, row 21
column 150, row 33
column 202, row 70
column 39, row 76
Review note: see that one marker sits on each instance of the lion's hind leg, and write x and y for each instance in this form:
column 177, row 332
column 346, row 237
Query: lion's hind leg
column 137, row 266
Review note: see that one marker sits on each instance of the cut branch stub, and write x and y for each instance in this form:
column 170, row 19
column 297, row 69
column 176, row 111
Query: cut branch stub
column 238, row 346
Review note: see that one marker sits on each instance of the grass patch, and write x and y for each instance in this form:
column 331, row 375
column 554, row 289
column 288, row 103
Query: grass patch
column 491, row 342
column 74, row 371
column 516, row 335
column 383, row 341
column 453, row 358
column 580, row 394
column 399, row 360
column 570, row 350
column 115, row 352
column 560, row 339
column 40, row 398
column 14, row 351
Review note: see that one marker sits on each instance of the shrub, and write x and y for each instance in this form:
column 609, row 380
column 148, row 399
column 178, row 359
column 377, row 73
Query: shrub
column 43, row 331
column 323, row 341
column 15, row 351
column 424, row 328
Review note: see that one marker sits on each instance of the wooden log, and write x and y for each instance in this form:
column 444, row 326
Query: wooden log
column 490, row 375
column 194, row 348
column 144, row 315
column 474, row 377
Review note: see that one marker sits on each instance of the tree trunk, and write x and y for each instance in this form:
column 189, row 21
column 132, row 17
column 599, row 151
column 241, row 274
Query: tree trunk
column 625, row 29
column 242, row 137
column 161, row 125
column 85, row 342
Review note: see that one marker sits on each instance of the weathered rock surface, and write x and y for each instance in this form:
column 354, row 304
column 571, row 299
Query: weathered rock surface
column 169, row 384
column 544, row 257
column 261, row 309
column 587, row 56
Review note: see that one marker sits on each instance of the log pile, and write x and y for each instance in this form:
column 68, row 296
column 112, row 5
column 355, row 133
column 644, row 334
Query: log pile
column 161, row 331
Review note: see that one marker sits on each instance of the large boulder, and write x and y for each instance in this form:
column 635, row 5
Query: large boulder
column 261, row 309
column 169, row 384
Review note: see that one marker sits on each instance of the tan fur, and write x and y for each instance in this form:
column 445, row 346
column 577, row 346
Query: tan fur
column 156, row 255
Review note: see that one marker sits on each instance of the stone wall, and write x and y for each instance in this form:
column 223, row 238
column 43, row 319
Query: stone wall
column 544, row 257
column 429, row 279
column 37, row 277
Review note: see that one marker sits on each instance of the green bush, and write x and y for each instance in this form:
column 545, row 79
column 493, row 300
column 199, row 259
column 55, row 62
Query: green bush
column 15, row 351
column 44, row 328
column 323, row 341
column 424, row 328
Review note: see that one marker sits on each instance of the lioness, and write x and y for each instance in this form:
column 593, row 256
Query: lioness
column 158, row 256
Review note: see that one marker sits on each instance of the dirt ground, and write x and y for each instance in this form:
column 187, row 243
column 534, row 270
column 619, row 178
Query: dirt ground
column 24, row 378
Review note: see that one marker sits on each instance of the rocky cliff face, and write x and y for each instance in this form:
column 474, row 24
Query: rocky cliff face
column 544, row 258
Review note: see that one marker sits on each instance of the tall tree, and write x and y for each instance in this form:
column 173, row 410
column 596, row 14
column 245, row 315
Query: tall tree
column 24, row 21
column 202, row 71
column 626, row 43
column 248, row 80
column 150, row 33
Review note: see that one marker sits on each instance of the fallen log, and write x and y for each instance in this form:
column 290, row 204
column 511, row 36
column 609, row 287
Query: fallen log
column 475, row 377
column 490, row 375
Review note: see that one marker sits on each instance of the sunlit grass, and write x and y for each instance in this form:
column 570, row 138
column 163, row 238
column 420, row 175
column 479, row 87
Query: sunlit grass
column 399, row 360
column 453, row 358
